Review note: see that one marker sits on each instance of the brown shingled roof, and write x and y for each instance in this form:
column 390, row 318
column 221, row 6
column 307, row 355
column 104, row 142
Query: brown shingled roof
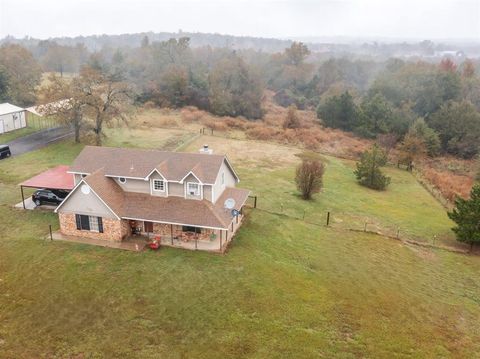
column 178, row 210
column 108, row 190
column 129, row 162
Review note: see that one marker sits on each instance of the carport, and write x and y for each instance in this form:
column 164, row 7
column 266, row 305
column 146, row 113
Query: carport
column 55, row 178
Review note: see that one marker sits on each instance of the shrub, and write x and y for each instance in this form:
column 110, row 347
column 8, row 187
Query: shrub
column 291, row 120
column 167, row 122
column 262, row 133
column 216, row 125
column 309, row 177
column 191, row 114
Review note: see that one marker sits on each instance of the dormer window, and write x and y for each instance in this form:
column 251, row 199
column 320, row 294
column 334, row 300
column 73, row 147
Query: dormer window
column 158, row 185
column 122, row 180
column 193, row 189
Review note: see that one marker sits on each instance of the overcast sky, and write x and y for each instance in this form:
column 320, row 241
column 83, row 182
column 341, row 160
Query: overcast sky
column 408, row 19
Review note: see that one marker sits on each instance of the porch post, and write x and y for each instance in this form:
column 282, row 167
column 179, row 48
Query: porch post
column 221, row 239
column 171, row 233
column 23, row 197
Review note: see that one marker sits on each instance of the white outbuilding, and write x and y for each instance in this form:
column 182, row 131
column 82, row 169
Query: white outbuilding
column 11, row 117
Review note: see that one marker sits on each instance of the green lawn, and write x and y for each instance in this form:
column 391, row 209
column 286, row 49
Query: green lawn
column 285, row 289
column 34, row 124
column 404, row 206
column 12, row 135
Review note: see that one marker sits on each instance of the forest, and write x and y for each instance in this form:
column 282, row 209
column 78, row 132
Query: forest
column 418, row 104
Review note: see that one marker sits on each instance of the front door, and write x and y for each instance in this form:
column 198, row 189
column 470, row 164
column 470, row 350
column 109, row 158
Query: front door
column 148, row 227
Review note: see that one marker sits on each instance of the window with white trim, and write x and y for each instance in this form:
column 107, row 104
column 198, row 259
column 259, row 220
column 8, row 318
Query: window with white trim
column 89, row 223
column 193, row 189
column 158, row 185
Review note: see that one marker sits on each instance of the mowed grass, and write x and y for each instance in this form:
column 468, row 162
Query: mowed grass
column 405, row 207
column 285, row 289
column 12, row 135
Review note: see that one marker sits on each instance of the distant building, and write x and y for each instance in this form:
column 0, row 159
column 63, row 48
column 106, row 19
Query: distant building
column 11, row 118
column 450, row 53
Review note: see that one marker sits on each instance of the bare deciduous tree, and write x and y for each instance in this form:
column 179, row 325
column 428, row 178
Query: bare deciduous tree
column 64, row 101
column 106, row 100
column 309, row 177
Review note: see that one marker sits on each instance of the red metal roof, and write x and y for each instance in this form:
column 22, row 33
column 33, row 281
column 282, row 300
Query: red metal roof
column 54, row 178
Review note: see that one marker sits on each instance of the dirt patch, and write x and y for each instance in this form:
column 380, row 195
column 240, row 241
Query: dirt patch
column 250, row 152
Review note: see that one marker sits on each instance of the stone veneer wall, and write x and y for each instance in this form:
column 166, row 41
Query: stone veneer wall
column 113, row 229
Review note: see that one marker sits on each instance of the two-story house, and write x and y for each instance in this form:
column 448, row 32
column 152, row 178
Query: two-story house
column 119, row 192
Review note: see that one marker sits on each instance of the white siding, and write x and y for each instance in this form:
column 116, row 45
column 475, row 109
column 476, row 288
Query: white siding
column 12, row 121
column 134, row 185
column 155, row 175
column 192, row 179
column 230, row 181
column 87, row 204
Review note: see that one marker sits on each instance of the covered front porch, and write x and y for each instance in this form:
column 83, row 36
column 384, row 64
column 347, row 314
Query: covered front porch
column 184, row 236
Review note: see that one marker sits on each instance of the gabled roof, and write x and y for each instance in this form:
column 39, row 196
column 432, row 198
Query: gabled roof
column 108, row 191
column 6, row 108
column 139, row 163
column 176, row 210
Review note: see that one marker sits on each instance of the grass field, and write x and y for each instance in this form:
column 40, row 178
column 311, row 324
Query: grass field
column 285, row 289
column 406, row 206
column 12, row 135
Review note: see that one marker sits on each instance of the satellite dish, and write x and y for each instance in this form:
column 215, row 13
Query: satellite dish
column 235, row 213
column 229, row 203
column 85, row 189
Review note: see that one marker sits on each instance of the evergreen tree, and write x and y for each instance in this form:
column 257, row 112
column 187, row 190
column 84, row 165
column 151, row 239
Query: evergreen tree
column 339, row 112
column 429, row 136
column 368, row 171
column 466, row 215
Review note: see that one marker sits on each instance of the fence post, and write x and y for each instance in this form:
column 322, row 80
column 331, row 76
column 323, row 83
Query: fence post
column 328, row 218
column 304, row 214
column 398, row 233
column 50, row 229
column 255, row 202
column 365, row 228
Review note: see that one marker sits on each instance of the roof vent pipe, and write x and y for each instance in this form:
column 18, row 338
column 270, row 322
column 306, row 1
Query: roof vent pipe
column 206, row 149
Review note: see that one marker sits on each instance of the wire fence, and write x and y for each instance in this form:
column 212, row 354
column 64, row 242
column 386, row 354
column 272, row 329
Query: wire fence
column 40, row 123
column 344, row 221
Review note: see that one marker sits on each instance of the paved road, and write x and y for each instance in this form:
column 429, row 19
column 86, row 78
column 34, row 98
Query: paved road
column 39, row 139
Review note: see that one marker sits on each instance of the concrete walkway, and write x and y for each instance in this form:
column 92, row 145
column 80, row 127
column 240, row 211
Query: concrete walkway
column 39, row 139
column 130, row 245
column 30, row 205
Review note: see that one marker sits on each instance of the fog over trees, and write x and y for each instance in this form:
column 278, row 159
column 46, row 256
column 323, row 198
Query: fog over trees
column 422, row 97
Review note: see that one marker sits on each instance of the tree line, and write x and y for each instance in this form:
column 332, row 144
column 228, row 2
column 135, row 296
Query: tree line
column 433, row 108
